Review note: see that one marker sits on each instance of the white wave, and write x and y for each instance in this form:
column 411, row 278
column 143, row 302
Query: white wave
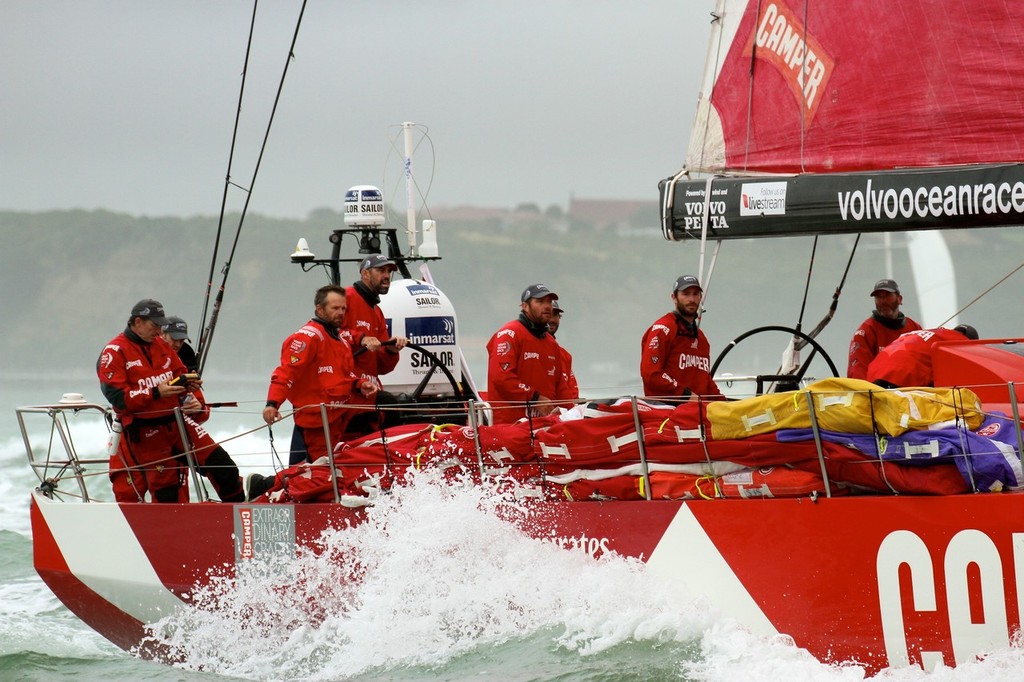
column 440, row 574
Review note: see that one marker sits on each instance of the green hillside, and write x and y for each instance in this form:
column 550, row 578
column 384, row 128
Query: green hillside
column 70, row 277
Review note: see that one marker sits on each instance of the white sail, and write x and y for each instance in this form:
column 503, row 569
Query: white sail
column 934, row 278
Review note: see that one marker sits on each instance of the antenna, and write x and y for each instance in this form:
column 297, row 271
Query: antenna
column 410, row 202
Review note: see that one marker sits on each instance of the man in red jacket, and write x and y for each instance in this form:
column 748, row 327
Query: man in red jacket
column 907, row 361
column 316, row 367
column 883, row 327
column 675, row 356
column 524, row 364
column 139, row 375
column 365, row 328
column 553, row 324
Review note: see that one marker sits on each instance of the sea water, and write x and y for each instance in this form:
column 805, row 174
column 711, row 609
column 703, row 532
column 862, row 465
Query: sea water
column 447, row 591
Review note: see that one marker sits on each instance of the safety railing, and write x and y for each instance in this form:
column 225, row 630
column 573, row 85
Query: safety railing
column 61, row 457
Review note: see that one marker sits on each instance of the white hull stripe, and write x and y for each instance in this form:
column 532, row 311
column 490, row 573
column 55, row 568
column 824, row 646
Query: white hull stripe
column 687, row 558
column 112, row 565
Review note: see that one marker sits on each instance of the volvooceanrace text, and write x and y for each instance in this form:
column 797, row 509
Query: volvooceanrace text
column 932, row 202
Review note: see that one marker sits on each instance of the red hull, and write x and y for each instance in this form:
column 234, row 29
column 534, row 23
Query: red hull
column 882, row 581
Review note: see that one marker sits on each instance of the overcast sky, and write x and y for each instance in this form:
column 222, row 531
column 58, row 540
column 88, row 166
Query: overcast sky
column 129, row 105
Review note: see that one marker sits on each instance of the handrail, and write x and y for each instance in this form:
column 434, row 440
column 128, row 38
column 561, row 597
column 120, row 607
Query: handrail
column 72, row 460
column 63, row 461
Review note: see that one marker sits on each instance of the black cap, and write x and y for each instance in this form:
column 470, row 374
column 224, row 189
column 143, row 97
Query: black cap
column 967, row 330
column 377, row 261
column 556, row 308
column 886, row 285
column 538, row 291
column 176, row 328
column 685, row 282
column 151, row 309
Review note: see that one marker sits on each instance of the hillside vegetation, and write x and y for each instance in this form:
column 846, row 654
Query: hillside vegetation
column 70, row 278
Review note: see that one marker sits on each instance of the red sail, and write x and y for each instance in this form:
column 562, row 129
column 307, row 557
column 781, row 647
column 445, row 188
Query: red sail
column 834, row 85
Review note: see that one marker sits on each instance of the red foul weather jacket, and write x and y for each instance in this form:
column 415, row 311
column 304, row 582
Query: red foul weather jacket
column 522, row 366
column 870, row 338
column 567, row 374
column 129, row 369
column 365, row 318
column 675, row 358
column 316, row 367
column 907, row 361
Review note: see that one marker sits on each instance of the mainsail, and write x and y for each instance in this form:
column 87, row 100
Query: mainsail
column 820, row 116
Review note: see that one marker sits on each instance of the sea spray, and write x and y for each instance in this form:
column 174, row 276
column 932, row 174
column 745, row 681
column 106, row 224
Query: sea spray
column 435, row 572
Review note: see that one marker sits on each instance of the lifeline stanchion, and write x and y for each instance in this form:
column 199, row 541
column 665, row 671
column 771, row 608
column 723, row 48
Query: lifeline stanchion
column 817, row 442
column 189, row 452
column 1012, row 388
column 643, row 450
column 474, row 424
column 330, row 452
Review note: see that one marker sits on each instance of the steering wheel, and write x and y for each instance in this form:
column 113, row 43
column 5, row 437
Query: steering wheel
column 458, row 402
column 793, row 379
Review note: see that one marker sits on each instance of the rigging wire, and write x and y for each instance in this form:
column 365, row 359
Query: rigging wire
column 207, row 336
column 715, row 19
column 835, row 295
column 200, row 349
column 799, row 343
column 977, row 298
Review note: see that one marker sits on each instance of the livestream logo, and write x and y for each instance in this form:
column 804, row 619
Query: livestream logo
column 763, row 198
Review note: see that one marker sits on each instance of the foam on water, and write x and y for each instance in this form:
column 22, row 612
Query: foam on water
column 446, row 588
column 440, row 574
column 442, row 578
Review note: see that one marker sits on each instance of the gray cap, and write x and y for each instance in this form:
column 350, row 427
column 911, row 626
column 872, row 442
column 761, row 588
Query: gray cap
column 150, row 309
column 538, row 291
column 377, row 261
column 176, row 328
column 967, row 330
column 886, row 285
column 556, row 308
column 685, row 282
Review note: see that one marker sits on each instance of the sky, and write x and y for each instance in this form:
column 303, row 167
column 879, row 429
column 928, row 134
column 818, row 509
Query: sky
column 129, row 105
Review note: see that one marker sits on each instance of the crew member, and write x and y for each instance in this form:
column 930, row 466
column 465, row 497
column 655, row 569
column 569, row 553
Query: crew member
column 907, row 361
column 365, row 328
column 883, row 327
column 316, row 367
column 524, row 364
column 567, row 374
column 175, row 333
column 675, row 356
column 138, row 374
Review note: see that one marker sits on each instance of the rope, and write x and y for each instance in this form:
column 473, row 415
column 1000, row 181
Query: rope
column 984, row 293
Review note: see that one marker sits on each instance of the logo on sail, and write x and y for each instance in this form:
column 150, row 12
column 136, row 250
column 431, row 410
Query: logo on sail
column 763, row 198
column 783, row 41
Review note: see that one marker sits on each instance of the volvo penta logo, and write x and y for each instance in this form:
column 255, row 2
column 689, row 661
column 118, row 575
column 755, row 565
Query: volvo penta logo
column 431, row 331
